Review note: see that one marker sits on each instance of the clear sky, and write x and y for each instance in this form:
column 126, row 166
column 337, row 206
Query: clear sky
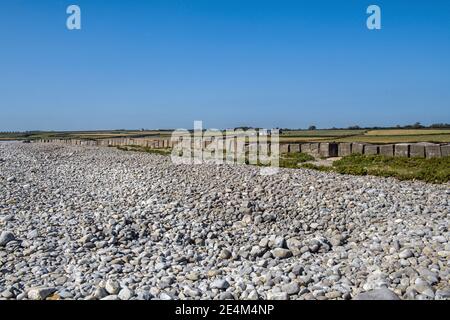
column 275, row 63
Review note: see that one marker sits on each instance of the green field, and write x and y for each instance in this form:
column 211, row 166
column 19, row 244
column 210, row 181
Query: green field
column 163, row 152
column 288, row 136
column 323, row 133
column 89, row 135
column 435, row 138
column 370, row 136
column 435, row 170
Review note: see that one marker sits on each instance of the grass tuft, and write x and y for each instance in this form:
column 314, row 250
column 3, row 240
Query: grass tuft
column 163, row 152
column 435, row 170
column 292, row 160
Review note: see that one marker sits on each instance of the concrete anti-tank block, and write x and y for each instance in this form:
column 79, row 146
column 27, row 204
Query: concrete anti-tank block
column 432, row 150
column 294, row 148
column 358, row 148
column 445, row 150
column 402, row 150
column 387, row 150
column 417, row 150
column 344, row 149
column 284, row 148
column 371, row 149
column 328, row 150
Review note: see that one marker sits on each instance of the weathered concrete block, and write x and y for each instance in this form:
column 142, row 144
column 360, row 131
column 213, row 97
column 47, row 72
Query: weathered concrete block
column 310, row 148
column 432, row 150
column 387, row 150
column 358, row 148
column 370, row 149
column 294, row 148
column 264, row 150
column 198, row 144
column 253, row 149
column 284, row 148
column 417, row 150
column 402, row 150
column 328, row 150
column 344, row 149
column 315, row 149
column 305, row 148
column 207, row 143
column 445, row 150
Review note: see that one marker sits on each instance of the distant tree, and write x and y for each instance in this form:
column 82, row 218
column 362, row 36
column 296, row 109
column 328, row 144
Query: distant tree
column 243, row 128
column 440, row 125
column 354, row 127
column 312, row 128
column 417, row 125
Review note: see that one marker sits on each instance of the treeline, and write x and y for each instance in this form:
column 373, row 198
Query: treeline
column 416, row 125
column 21, row 132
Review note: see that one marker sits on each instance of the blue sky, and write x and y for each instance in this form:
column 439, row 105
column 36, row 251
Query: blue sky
column 164, row 64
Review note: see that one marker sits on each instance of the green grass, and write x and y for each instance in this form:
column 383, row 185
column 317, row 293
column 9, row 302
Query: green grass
column 291, row 136
column 435, row 170
column 316, row 167
column 84, row 135
column 406, row 132
column 383, row 139
column 291, row 160
column 163, row 152
column 322, row 133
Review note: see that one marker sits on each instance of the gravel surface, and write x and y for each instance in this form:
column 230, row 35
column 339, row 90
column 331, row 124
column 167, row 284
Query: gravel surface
column 99, row 223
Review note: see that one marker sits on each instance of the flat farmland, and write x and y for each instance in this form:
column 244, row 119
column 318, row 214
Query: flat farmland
column 406, row 132
column 370, row 136
column 322, row 133
column 435, row 138
column 91, row 135
column 287, row 136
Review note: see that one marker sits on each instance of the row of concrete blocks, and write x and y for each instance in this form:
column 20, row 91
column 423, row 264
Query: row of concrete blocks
column 406, row 150
column 322, row 149
column 154, row 144
column 71, row 142
column 143, row 142
column 325, row 150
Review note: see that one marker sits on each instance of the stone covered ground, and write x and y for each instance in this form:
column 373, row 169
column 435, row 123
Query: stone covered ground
column 99, row 223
